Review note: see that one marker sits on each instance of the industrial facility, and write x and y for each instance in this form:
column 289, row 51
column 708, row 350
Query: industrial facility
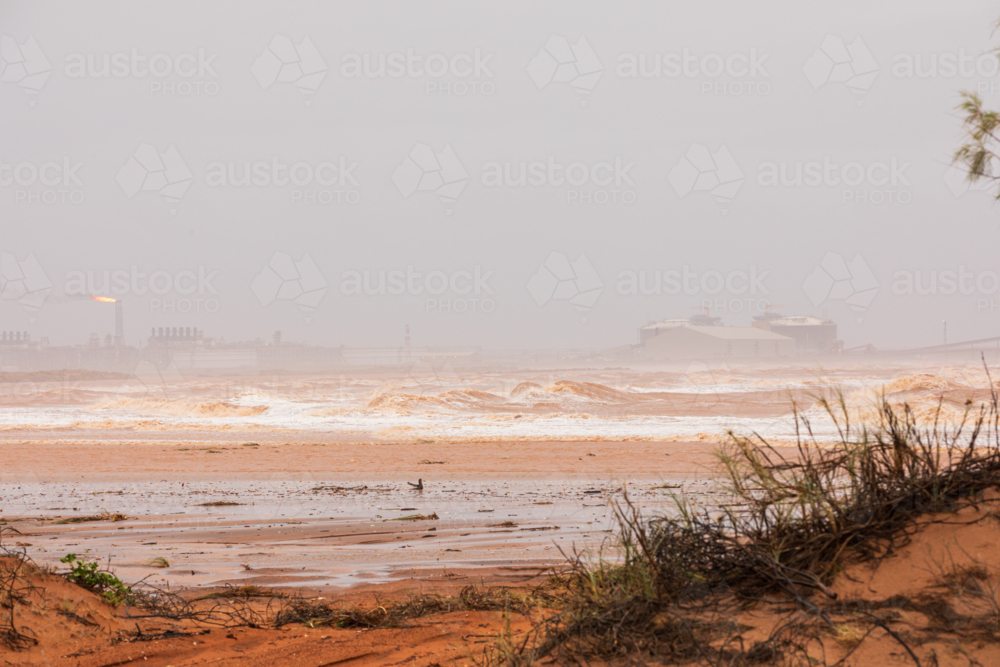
column 699, row 342
column 811, row 334
column 189, row 352
column 702, row 336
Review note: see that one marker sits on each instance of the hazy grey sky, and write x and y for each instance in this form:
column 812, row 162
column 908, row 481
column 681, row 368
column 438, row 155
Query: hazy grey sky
column 657, row 141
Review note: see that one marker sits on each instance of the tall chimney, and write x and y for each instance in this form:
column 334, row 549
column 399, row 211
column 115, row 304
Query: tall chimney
column 119, row 324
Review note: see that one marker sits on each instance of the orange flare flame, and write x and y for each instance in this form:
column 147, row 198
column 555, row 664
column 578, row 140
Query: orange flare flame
column 105, row 299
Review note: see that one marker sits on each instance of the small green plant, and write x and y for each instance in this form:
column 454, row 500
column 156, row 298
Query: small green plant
column 506, row 651
column 89, row 576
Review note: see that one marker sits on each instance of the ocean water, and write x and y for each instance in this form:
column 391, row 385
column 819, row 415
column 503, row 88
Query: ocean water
column 456, row 406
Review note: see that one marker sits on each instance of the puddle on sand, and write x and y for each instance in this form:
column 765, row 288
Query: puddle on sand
column 286, row 533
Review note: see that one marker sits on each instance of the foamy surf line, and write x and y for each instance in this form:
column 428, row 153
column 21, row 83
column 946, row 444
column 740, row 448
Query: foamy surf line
column 450, row 427
column 483, row 408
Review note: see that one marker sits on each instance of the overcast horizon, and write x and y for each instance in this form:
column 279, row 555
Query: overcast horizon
column 505, row 175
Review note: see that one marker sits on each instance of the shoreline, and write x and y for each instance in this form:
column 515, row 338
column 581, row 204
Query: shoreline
column 274, row 532
column 115, row 462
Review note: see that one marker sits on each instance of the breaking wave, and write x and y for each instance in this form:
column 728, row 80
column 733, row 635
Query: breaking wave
column 457, row 399
column 565, row 394
column 921, row 383
column 585, row 391
column 23, row 395
column 929, row 396
column 182, row 407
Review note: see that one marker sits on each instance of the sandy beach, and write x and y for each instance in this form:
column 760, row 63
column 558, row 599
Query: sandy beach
column 298, row 481
column 306, row 484
column 325, row 514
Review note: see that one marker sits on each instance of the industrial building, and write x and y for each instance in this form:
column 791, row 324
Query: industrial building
column 187, row 351
column 27, row 354
column 811, row 334
column 691, row 341
column 704, row 337
column 656, row 328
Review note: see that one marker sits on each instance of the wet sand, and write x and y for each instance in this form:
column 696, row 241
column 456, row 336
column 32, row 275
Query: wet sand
column 324, row 515
column 536, row 449
column 75, row 628
column 97, row 461
column 288, row 534
column 302, row 485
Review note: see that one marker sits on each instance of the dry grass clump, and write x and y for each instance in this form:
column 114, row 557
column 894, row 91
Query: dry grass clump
column 251, row 606
column 246, row 592
column 974, row 600
column 793, row 522
column 103, row 516
column 15, row 590
column 314, row 613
